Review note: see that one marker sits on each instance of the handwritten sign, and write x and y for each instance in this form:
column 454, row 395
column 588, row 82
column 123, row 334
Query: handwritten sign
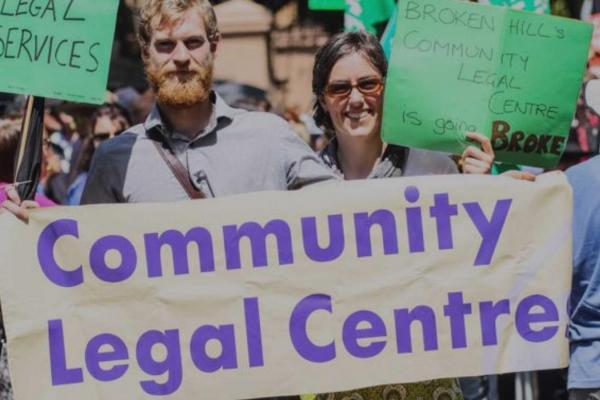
column 459, row 66
column 56, row 48
column 415, row 278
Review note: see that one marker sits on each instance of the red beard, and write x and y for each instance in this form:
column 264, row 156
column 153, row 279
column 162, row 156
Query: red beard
column 182, row 90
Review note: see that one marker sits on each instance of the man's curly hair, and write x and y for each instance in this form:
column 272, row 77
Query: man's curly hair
column 155, row 13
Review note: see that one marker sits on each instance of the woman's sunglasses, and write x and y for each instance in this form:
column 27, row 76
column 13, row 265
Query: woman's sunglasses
column 367, row 86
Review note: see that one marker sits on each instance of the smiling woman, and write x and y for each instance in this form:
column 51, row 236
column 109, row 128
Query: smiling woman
column 348, row 82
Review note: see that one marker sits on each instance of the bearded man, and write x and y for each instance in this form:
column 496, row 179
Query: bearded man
column 192, row 144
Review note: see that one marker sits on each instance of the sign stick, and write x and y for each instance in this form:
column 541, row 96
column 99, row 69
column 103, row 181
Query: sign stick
column 29, row 154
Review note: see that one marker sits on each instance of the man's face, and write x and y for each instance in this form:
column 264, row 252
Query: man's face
column 179, row 61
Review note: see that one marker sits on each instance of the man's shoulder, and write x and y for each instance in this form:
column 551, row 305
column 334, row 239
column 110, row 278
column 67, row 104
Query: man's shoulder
column 122, row 144
column 115, row 153
column 261, row 122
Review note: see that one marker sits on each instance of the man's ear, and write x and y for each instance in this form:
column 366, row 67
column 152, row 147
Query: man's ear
column 214, row 42
column 144, row 51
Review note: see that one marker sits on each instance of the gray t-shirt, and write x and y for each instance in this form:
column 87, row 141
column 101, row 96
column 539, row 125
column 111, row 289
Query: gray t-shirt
column 398, row 161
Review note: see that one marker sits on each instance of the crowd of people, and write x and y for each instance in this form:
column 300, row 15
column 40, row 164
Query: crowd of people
column 198, row 146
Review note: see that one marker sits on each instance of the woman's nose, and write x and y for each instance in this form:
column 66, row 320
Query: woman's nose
column 355, row 96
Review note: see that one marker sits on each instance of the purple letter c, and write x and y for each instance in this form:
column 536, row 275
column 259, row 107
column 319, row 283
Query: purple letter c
column 45, row 249
column 298, row 321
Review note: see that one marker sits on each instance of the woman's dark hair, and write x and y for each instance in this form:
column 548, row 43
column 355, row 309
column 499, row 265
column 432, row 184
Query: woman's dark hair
column 338, row 46
column 84, row 157
column 114, row 111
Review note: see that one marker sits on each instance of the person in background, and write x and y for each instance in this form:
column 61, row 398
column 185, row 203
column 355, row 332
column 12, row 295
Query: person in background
column 9, row 142
column 108, row 121
column 62, row 132
column 54, row 181
column 292, row 116
column 584, row 303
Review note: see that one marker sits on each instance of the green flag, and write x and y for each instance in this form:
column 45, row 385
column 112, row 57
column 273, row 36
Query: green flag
column 359, row 14
column 387, row 39
column 365, row 14
column 327, row 4
column 538, row 6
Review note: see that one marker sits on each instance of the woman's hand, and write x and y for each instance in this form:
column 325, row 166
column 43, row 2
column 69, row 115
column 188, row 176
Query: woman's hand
column 520, row 175
column 477, row 160
column 14, row 205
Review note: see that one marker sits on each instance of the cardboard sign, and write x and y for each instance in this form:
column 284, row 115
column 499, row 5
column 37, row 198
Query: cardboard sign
column 56, row 48
column 511, row 75
column 415, row 278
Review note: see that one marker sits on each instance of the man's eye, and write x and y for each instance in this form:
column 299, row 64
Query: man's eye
column 194, row 43
column 164, row 46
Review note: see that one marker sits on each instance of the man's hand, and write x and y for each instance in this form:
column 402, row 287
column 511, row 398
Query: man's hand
column 14, row 205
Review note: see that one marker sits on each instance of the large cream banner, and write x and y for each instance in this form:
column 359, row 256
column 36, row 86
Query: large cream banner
column 333, row 287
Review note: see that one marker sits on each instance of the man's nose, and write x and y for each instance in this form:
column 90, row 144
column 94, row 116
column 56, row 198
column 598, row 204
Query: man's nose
column 180, row 54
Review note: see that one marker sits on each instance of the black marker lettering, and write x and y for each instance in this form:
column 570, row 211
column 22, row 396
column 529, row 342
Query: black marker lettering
column 93, row 56
column 66, row 17
column 26, row 36
column 58, row 48
column 49, row 7
column 74, row 54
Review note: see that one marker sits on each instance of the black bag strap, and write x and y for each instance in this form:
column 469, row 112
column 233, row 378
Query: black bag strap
column 179, row 171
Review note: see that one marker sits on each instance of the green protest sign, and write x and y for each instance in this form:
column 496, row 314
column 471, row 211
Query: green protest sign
column 56, row 48
column 327, row 4
column 459, row 66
